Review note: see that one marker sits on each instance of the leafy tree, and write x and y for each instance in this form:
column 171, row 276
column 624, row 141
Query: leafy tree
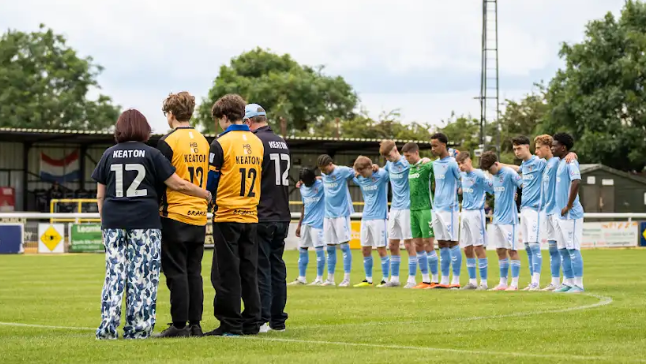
column 464, row 131
column 43, row 84
column 599, row 96
column 302, row 95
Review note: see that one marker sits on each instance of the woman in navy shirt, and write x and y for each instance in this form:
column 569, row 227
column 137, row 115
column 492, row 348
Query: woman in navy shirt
column 128, row 177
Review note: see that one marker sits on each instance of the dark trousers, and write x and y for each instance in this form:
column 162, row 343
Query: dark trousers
column 234, row 277
column 181, row 259
column 272, row 273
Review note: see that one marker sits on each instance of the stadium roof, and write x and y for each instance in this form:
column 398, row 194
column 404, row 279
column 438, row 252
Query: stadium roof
column 89, row 137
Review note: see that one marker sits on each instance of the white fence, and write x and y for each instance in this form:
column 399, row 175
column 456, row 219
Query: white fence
column 601, row 230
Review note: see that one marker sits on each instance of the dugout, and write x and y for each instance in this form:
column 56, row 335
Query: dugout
column 32, row 159
column 605, row 189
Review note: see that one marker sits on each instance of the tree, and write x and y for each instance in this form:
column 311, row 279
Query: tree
column 43, row 84
column 463, row 131
column 599, row 96
column 302, row 95
column 521, row 118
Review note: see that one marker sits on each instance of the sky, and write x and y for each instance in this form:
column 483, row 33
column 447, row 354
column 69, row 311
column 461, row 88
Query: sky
column 421, row 57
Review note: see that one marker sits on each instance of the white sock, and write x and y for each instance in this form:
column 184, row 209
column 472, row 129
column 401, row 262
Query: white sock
column 556, row 281
column 536, row 278
column 369, row 279
column 484, row 283
column 514, row 281
column 503, row 281
column 578, row 281
column 455, row 280
column 435, row 278
column 426, row 278
column 445, row 280
column 330, row 277
column 302, row 279
column 346, row 276
column 319, row 278
column 394, row 279
column 473, row 281
column 411, row 279
column 568, row 282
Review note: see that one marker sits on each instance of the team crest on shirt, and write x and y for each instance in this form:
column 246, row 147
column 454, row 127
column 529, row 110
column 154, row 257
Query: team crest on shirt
column 247, row 148
column 530, row 168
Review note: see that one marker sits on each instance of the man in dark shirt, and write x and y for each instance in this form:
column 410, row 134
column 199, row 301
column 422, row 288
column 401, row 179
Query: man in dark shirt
column 273, row 220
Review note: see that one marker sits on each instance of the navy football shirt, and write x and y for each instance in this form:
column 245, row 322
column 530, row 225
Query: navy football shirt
column 132, row 173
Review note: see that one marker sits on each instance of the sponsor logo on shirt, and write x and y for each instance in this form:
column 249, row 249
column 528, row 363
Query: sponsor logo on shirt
column 331, row 184
column 528, row 177
column 467, row 190
column 440, row 176
column 396, row 176
column 413, row 176
column 370, row 188
column 499, row 189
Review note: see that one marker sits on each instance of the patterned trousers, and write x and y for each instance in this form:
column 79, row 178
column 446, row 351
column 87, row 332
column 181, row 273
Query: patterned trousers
column 132, row 259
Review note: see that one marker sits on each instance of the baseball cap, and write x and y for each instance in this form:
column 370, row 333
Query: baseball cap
column 253, row 110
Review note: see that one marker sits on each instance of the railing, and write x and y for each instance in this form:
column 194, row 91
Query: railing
column 79, row 202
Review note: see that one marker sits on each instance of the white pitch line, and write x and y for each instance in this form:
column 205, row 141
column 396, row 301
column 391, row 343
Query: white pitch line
column 46, row 326
column 603, row 301
column 448, row 350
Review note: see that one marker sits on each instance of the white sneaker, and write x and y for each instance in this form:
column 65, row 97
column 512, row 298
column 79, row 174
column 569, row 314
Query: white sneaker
column 274, row 330
column 297, row 282
column 316, row 282
column 482, row 287
column 328, row 283
column 534, row 287
column 264, row 328
column 345, row 283
column 390, row 284
column 410, row 285
column 551, row 287
column 529, row 286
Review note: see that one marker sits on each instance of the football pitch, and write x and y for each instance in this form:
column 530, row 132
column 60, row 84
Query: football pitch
column 50, row 307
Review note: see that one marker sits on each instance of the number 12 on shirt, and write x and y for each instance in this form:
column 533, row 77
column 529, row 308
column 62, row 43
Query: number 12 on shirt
column 244, row 174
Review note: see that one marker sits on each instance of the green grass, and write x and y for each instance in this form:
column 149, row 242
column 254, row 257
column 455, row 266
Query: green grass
column 341, row 325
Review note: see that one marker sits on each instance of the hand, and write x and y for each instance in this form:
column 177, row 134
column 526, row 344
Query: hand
column 375, row 168
column 209, row 197
column 459, row 191
column 425, row 160
column 299, row 184
column 570, row 157
column 565, row 210
column 298, row 231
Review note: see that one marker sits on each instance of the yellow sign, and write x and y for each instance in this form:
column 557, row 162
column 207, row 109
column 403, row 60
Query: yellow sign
column 355, row 242
column 51, row 238
column 644, row 234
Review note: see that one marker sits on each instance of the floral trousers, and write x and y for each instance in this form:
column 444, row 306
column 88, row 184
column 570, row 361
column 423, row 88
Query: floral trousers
column 132, row 260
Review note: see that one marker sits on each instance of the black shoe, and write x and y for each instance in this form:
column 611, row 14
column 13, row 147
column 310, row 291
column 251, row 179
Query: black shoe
column 173, row 331
column 222, row 332
column 195, row 331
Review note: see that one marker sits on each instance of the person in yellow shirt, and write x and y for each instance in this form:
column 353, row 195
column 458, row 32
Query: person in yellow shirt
column 183, row 218
column 235, row 161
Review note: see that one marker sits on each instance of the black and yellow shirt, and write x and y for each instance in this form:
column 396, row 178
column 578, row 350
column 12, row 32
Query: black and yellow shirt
column 187, row 150
column 235, row 166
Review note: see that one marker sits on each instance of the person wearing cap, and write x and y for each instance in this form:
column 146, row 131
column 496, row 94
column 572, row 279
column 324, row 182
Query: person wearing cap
column 273, row 220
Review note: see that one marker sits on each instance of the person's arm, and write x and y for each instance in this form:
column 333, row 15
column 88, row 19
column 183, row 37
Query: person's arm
column 300, row 221
column 571, row 157
column 515, row 177
column 100, row 196
column 216, row 160
column 175, row 183
column 512, row 166
column 575, row 179
column 165, row 150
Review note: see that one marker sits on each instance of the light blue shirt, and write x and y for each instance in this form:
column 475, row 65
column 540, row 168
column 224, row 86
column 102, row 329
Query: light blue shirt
column 314, row 204
column 375, row 195
column 531, row 172
column 505, row 184
column 338, row 202
column 398, row 172
column 565, row 174
column 447, row 182
column 549, row 186
column 475, row 186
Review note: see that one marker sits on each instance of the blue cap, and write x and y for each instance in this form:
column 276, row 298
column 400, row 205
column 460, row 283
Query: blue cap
column 253, row 110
